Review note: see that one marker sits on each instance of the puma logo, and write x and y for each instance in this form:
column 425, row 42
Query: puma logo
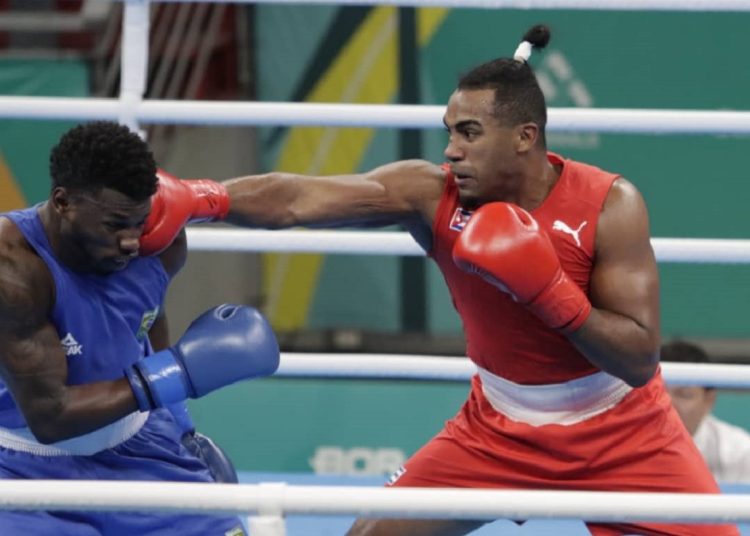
column 561, row 226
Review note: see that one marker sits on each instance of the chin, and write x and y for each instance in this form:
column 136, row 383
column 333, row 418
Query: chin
column 468, row 201
column 109, row 267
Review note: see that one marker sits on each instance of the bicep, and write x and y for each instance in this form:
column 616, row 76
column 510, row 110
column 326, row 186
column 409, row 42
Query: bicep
column 32, row 361
column 625, row 277
column 34, row 367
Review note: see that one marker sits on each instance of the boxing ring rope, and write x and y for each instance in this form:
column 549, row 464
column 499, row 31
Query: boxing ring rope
column 611, row 120
column 277, row 499
column 684, row 250
column 440, row 368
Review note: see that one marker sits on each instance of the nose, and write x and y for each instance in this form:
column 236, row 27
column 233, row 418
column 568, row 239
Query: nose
column 452, row 152
column 129, row 244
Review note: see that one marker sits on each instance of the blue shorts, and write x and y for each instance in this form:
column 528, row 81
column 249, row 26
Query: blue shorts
column 154, row 453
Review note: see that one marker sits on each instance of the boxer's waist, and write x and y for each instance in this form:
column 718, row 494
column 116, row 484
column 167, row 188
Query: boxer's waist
column 107, row 437
column 559, row 403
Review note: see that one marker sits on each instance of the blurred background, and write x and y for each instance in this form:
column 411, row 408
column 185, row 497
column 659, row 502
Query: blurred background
column 695, row 185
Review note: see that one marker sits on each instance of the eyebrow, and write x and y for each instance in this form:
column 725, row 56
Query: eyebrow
column 464, row 123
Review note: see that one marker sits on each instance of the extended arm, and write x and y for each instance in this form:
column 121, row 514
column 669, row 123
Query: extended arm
column 388, row 194
column 621, row 335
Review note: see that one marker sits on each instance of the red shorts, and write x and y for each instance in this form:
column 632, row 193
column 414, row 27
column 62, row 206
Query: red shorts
column 639, row 445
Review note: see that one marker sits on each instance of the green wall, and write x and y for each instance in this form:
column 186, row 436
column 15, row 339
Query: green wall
column 25, row 144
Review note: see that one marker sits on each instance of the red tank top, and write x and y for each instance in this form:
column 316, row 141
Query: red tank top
column 501, row 335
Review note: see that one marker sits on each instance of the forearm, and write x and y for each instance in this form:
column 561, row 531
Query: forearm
column 618, row 345
column 279, row 200
column 81, row 409
column 263, row 200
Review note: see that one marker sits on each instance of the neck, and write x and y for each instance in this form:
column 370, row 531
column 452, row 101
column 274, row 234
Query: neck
column 538, row 178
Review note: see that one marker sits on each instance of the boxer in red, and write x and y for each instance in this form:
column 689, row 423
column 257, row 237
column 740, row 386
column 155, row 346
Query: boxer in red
column 550, row 266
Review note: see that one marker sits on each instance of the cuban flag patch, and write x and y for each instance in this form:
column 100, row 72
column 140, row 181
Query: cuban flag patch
column 460, row 218
column 396, row 475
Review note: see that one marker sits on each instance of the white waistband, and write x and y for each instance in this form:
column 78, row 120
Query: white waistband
column 558, row 403
column 21, row 439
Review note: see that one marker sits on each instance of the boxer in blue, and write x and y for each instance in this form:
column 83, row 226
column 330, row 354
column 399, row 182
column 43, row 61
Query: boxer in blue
column 82, row 393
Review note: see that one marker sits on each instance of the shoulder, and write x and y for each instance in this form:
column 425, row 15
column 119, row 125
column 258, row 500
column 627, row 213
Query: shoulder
column 624, row 208
column 623, row 196
column 623, row 227
column 419, row 182
column 25, row 282
column 419, row 172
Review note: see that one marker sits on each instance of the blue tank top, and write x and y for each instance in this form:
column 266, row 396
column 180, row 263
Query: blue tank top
column 102, row 320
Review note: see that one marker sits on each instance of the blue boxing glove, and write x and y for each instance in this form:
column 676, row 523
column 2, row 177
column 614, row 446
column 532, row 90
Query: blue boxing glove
column 225, row 344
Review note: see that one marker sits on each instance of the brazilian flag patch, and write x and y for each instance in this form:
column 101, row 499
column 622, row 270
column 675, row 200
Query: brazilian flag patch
column 147, row 320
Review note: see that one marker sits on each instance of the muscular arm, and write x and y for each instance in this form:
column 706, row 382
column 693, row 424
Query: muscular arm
column 621, row 336
column 33, row 364
column 386, row 195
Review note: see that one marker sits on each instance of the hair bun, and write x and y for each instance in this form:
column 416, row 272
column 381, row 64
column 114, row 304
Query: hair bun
column 537, row 36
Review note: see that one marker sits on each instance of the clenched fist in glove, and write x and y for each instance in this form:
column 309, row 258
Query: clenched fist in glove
column 225, row 344
column 175, row 204
column 505, row 245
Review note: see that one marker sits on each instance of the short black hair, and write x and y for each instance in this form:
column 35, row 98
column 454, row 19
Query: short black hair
column 684, row 352
column 518, row 97
column 104, row 154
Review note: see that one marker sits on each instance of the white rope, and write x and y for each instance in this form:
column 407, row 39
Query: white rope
column 424, row 367
column 437, row 503
column 375, row 366
column 641, row 5
column 640, row 121
column 693, row 250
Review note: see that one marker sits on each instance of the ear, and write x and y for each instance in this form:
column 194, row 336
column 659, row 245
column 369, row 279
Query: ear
column 60, row 199
column 527, row 135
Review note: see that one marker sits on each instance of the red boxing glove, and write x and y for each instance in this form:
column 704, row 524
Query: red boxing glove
column 175, row 204
column 504, row 244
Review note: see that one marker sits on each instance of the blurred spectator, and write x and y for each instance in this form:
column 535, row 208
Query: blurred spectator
column 725, row 447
